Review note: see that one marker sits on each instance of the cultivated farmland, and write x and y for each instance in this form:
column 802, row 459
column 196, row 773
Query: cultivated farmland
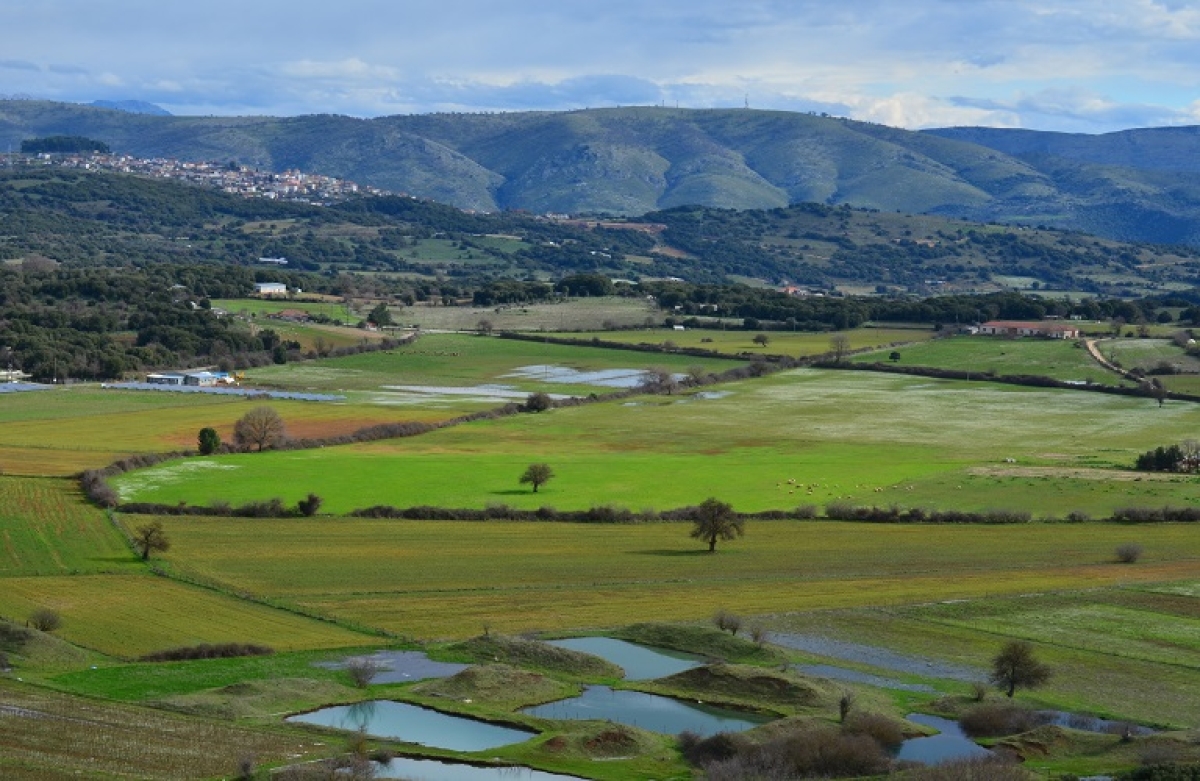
column 837, row 436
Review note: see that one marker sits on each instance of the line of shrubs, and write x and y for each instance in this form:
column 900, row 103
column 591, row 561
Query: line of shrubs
column 844, row 511
column 207, row 651
column 598, row 514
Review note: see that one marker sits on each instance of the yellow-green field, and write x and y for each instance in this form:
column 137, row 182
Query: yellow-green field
column 67, row 430
column 448, row 579
column 130, row 615
column 48, row 528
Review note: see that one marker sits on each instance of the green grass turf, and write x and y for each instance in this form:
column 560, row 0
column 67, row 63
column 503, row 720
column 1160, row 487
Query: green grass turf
column 1060, row 359
column 863, row 438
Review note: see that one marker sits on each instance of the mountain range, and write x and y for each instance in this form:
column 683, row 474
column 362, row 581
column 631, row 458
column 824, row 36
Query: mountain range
column 1134, row 185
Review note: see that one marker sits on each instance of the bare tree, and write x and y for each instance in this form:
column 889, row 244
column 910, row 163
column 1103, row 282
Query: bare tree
column 658, row 378
column 537, row 475
column 727, row 622
column 1129, row 552
column 484, row 326
column 363, row 670
column 150, row 537
column 839, row 345
column 261, row 427
column 1015, row 667
column 716, row 520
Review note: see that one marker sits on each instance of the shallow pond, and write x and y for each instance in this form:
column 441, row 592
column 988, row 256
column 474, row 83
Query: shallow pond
column 950, row 743
column 639, row 662
column 401, row 666
column 844, row 674
column 875, row 656
column 432, row 770
column 565, row 375
column 414, row 724
column 649, row 712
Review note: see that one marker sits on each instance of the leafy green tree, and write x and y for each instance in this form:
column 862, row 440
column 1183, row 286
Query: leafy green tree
column 380, row 315
column 209, row 441
column 537, row 475
column 762, row 340
column 1015, row 667
column 715, row 520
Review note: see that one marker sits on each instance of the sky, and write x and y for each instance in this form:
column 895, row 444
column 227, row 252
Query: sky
column 1069, row 65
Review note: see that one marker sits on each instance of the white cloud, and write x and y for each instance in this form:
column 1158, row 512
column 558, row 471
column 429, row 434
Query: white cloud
column 1057, row 64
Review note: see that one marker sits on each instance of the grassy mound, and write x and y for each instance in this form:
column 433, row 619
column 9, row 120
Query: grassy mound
column 705, row 640
column 25, row 648
column 602, row 741
column 743, row 684
column 535, row 654
column 496, row 684
column 259, row 698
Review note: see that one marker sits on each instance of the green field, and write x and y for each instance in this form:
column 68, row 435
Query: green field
column 261, row 307
column 739, row 342
column 466, row 361
column 1060, row 359
column 47, row 528
column 863, row 438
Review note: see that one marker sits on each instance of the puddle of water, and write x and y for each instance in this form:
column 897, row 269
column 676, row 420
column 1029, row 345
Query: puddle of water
column 639, row 662
column 844, row 674
column 414, row 724
column 1086, row 723
column 648, row 711
column 564, row 375
column 711, row 394
column 875, row 656
column 494, row 394
column 950, row 743
column 432, row 770
column 401, row 666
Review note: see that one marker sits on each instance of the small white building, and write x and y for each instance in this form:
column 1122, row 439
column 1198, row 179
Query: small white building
column 270, row 288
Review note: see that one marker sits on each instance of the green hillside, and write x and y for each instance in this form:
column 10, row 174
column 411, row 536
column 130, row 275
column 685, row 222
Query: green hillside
column 626, row 161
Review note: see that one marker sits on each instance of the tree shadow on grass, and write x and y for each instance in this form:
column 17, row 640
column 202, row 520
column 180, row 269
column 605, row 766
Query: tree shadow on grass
column 514, row 492
column 672, row 552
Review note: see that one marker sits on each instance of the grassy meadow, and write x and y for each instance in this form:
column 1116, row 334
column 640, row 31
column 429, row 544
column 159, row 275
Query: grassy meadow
column 1058, row 358
column 845, row 436
column 741, row 342
column 465, row 361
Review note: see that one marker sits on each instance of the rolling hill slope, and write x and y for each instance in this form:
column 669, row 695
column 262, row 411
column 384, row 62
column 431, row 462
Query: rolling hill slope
column 1135, row 185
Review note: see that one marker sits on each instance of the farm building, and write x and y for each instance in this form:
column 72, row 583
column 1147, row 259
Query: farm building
column 165, row 378
column 1048, row 328
column 270, row 288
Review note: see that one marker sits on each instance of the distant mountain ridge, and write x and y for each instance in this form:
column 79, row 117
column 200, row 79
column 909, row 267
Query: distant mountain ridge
column 132, row 107
column 1136, row 185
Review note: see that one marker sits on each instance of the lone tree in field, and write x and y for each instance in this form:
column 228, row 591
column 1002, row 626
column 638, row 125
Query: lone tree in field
column 150, row 537
column 716, row 520
column 261, row 427
column 839, row 345
column 762, row 340
column 537, row 475
column 209, row 441
column 1016, row 668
